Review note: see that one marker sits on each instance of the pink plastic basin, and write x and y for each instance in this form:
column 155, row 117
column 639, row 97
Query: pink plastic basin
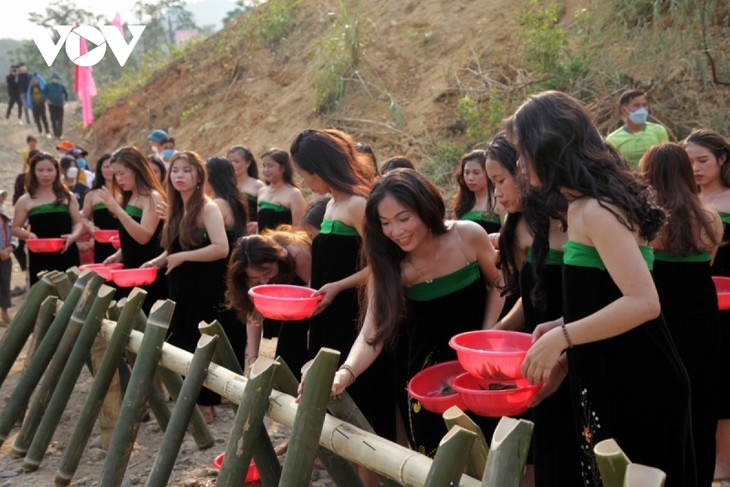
column 253, row 474
column 722, row 284
column 481, row 400
column 104, row 270
column 140, row 276
column 45, row 245
column 430, row 387
column 103, row 236
column 492, row 354
column 283, row 301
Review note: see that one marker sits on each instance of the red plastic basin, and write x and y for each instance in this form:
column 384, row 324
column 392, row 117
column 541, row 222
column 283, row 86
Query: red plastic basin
column 103, row 236
column 722, row 284
column 253, row 474
column 427, row 387
column 116, row 243
column 140, row 276
column 45, row 245
column 492, row 354
column 104, row 270
column 481, row 400
column 284, row 301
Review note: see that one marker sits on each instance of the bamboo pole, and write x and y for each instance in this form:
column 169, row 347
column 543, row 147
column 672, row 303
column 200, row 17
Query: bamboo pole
column 479, row 451
column 638, row 475
column 134, row 399
column 310, row 415
column 224, row 354
column 109, row 412
column 18, row 400
column 508, row 453
column 197, row 426
column 341, row 470
column 60, row 357
column 43, row 321
column 184, row 406
column 106, row 372
column 248, row 422
column 21, row 326
column 612, row 462
column 384, row 457
column 449, row 462
column 68, row 379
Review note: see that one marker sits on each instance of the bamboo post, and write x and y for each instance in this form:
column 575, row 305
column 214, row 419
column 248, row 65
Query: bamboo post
column 184, row 406
column 224, row 354
column 109, row 412
column 134, row 399
column 406, row 466
column 449, row 462
column 508, row 454
column 197, row 427
column 21, row 326
column 43, row 321
column 248, row 422
column 55, row 368
column 68, row 379
column 341, row 470
column 479, row 451
column 106, row 372
column 18, row 400
column 638, row 475
column 308, row 421
column 612, row 462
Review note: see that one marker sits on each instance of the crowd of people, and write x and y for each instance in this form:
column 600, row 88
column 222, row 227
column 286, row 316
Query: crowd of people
column 603, row 248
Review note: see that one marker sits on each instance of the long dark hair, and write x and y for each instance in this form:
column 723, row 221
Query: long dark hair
column 62, row 193
column 668, row 169
column 256, row 251
column 281, row 157
column 715, row 143
column 99, row 175
column 252, row 170
column 146, row 181
column 222, row 178
column 331, row 155
column 465, row 198
column 418, row 194
column 184, row 221
column 557, row 139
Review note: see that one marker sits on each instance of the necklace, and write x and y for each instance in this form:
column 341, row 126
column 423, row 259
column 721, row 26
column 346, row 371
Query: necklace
column 421, row 276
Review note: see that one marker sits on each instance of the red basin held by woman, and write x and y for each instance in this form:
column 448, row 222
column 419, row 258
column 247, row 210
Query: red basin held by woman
column 45, row 245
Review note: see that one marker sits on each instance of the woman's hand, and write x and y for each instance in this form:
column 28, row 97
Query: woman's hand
column 161, row 209
column 252, row 228
column 31, row 236
column 70, row 240
column 110, row 202
column 543, row 328
column 342, row 380
column 174, row 260
column 549, row 386
column 114, row 258
column 543, row 355
column 329, row 292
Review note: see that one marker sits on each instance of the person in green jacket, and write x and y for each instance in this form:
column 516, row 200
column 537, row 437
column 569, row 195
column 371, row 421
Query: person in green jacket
column 56, row 96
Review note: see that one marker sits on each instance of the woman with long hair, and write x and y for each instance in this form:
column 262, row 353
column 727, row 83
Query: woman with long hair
column 329, row 163
column 95, row 214
column 280, row 201
column 195, row 256
column 52, row 212
column 710, row 155
column 132, row 199
column 247, row 179
column 475, row 199
column 683, row 250
column 423, row 272
column 627, row 380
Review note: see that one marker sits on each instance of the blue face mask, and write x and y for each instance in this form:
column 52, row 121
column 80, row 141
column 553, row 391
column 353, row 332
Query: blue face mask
column 82, row 163
column 639, row 116
column 168, row 153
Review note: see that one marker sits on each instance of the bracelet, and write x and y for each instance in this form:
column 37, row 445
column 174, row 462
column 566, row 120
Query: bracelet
column 350, row 370
column 566, row 336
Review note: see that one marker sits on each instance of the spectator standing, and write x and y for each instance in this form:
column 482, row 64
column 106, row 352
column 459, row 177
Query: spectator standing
column 56, row 96
column 31, row 144
column 637, row 134
column 23, row 79
column 8, row 243
column 13, row 93
column 35, row 99
column 156, row 137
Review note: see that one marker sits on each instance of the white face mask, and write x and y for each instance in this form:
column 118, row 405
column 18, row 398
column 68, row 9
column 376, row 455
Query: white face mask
column 72, row 172
column 639, row 116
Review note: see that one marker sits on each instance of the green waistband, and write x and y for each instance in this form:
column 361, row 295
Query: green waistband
column 725, row 217
column 583, row 255
column 133, row 211
column 336, row 227
column 480, row 216
column 48, row 208
column 554, row 257
column 444, row 285
column 664, row 256
column 99, row 206
column 265, row 205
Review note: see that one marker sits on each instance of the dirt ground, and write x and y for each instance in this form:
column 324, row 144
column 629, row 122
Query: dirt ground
column 193, row 467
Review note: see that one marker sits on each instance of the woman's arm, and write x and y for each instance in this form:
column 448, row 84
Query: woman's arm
column 77, row 225
column 87, row 210
column 297, row 206
column 143, row 231
column 478, row 241
column 302, row 262
column 20, row 216
column 218, row 247
column 514, row 319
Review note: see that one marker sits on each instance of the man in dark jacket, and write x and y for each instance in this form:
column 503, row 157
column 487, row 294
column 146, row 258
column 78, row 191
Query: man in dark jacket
column 23, row 79
column 13, row 93
column 56, row 95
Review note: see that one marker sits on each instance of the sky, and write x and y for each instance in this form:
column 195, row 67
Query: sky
column 14, row 22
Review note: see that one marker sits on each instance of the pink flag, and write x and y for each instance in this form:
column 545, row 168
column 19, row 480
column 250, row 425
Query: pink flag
column 85, row 87
column 117, row 21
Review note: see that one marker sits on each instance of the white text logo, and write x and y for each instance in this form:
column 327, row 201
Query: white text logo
column 71, row 36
